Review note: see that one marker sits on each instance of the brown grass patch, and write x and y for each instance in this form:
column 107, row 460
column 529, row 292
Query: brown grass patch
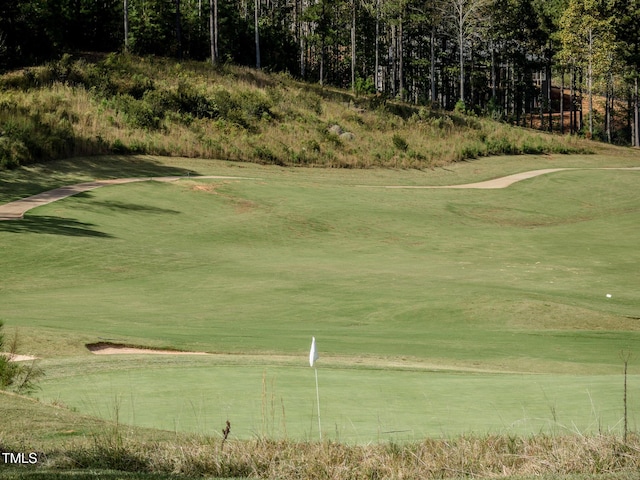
column 207, row 188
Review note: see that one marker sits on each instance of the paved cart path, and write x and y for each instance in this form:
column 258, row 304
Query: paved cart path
column 16, row 210
column 504, row 182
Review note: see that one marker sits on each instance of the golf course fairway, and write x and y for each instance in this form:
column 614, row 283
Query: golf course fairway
column 437, row 312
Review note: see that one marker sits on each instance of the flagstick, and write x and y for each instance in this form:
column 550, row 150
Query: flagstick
column 318, row 401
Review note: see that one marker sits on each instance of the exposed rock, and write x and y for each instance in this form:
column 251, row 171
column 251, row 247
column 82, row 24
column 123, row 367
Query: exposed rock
column 347, row 136
column 335, row 129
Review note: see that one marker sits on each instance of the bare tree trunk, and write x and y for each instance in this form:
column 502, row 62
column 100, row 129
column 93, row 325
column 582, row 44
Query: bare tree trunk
column 376, row 74
column 353, row 45
column 301, row 33
column 432, row 66
column 400, row 61
column 322, row 49
column 517, row 101
column 549, row 105
column 257, row 33
column 126, row 25
column 562, row 101
column 608, row 107
column 572, row 105
column 213, row 30
column 541, row 99
column 178, row 29
column 506, row 90
column 590, row 83
column 461, row 52
column 493, row 73
column 636, row 115
column 304, row 54
column 394, row 62
column 515, row 110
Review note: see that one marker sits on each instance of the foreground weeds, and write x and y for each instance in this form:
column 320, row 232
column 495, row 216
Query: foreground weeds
column 491, row 456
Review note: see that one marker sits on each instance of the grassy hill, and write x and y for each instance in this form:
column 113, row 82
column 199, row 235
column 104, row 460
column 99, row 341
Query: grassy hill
column 126, row 104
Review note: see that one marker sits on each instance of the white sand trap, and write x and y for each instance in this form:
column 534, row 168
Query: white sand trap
column 118, row 349
column 14, row 357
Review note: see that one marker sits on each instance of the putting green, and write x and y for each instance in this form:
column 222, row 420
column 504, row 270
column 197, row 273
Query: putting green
column 357, row 404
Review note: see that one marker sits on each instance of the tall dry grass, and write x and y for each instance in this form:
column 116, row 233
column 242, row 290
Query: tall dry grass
column 125, row 104
column 487, row 457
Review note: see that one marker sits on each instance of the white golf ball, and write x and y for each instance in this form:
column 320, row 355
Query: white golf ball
column 608, row 295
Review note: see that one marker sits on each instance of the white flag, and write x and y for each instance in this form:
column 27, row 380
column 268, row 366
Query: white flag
column 313, row 354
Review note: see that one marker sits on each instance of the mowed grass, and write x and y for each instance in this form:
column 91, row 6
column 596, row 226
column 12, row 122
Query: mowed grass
column 358, row 404
column 437, row 312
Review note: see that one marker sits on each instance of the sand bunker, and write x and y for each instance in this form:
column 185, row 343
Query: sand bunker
column 103, row 348
column 14, row 357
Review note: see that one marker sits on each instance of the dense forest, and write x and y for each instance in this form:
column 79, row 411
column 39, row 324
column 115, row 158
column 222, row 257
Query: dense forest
column 528, row 62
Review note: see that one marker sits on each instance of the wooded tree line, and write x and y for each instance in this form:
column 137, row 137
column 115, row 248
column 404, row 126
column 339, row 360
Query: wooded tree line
column 494, row 57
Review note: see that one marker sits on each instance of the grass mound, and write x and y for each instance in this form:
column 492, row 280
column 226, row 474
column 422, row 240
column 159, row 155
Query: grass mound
column 125, row 104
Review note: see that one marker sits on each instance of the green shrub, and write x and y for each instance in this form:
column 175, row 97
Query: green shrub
column 224, row 102
column 255, row 105
column 471, row 151
column 460, row 107
column 229, row 108
column 139, row 113
column 118, row 147
column 501, row 146
column 310, row 101
column 443, row 123
column 27, row 137
column 400, row 143
column 532, row 147
column 265, row 155
column 13, row 153
column 312, row 146
column 197, row 104
column 364, row 86
column 138, row 86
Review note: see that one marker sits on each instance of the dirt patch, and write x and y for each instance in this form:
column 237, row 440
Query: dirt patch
column 208, row 188
column 240, row 205
column 105, row 348
column 244, row 206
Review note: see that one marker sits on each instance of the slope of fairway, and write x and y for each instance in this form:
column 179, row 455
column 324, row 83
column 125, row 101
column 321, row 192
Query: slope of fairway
column 511, row 280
